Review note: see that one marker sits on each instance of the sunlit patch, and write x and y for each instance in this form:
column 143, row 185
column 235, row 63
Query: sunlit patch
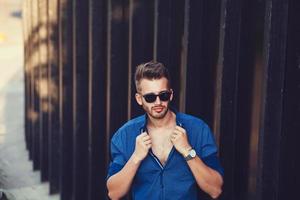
column 2, row 129
column 32, row 115
column 2, row 37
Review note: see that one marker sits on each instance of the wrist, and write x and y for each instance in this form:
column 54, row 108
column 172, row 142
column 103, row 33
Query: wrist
column 185, row 152
column 136, row 159
column 191, row 154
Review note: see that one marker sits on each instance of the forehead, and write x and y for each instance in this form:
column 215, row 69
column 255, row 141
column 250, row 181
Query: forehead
column 153, row 85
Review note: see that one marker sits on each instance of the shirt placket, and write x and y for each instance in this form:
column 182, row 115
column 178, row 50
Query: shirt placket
column 162, row 168
column 157, row 161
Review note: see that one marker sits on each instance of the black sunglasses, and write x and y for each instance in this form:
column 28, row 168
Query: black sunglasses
column 163, row 96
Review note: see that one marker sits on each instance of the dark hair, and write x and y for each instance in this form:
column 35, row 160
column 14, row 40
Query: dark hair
column 151, row 70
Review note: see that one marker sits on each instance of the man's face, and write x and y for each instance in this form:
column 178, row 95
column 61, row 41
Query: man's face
column 158, row 108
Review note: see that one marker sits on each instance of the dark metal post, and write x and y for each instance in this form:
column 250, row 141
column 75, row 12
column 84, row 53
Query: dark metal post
column 117, row 64
column 202, row 58
column 81, row 100
column 289, row 158
column 55, row 151
column 66, row 98
column 276, row 21
column 229, row 67
column 98, row 146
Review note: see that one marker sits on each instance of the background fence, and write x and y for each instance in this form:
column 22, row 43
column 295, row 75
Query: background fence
column 234, row 63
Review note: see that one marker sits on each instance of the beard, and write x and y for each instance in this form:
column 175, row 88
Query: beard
column 156, row 112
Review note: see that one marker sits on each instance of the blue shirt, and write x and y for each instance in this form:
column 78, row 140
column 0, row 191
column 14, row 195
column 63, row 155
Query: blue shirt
column 174, row 180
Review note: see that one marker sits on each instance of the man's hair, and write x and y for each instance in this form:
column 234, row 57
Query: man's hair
column 151, row 70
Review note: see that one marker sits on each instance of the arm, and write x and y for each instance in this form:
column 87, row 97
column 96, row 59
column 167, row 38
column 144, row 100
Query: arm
column 209, row 180
column 119, row 184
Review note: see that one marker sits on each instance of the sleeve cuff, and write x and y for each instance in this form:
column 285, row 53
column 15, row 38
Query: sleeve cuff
column 213, row 162
column 113, row 169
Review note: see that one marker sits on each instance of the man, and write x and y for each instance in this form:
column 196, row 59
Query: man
column 163, row 154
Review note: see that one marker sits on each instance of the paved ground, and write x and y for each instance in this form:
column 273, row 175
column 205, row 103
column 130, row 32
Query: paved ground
column 17, row 179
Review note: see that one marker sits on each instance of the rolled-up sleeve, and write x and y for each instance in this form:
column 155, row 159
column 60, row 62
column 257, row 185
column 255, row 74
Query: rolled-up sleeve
column 207, row 143
column 209, row 150
column 213, row 162
column 117, row 156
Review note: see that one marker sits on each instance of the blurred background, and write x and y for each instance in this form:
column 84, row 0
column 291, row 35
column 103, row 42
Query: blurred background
column 67, row 74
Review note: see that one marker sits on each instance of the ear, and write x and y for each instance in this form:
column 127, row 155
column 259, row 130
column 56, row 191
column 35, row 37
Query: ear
column 171, row 95
column 138, row 99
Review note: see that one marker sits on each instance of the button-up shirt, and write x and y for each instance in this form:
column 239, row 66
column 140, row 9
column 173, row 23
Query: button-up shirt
column 174, row 180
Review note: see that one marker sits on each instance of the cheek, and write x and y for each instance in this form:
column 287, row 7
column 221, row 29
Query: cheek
column 166, row 103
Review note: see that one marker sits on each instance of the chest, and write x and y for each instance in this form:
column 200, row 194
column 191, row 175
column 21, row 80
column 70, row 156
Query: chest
column 155, row 179
column 161, row 144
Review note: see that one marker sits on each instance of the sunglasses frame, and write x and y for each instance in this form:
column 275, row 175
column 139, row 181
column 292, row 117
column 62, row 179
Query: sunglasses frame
column 159, row 95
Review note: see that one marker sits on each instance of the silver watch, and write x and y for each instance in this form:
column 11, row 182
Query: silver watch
column 192, row 154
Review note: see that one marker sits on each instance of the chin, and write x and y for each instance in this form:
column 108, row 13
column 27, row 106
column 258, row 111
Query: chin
column 159, row 115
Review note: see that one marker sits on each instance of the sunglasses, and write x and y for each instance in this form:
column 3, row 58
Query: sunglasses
column 163, row 96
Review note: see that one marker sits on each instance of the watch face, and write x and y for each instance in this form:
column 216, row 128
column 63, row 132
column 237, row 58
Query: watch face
column 193, row 153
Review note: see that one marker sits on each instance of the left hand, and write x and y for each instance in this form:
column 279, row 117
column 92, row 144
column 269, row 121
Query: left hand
column 180, row 141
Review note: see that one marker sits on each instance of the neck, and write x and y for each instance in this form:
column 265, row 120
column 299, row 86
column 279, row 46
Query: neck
column 160, row 123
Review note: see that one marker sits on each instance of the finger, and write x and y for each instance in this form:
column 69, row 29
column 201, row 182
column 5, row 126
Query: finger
column 146, row 138
column 172, row 140
column 143, row 134
column 173, row 137
column 177, row 132
column 148, row 142
column 179, row 128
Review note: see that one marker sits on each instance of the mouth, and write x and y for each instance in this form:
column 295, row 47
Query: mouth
column 158, row 109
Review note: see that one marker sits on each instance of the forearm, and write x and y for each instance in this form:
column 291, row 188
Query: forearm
column 209, row 180
column 119, row 184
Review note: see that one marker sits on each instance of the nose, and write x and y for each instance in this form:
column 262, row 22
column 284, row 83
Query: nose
column 157, row 100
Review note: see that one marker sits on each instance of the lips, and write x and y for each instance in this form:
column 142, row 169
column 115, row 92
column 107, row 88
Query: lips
column 158, row 109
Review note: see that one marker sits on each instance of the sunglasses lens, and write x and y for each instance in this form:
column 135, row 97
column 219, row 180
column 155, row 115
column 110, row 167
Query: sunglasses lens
column 165, row 96
column 150, row 98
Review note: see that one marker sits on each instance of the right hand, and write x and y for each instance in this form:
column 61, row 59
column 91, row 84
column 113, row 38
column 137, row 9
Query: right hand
column 142, row 145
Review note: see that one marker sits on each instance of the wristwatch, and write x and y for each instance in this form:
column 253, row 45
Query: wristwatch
column 192, row 154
